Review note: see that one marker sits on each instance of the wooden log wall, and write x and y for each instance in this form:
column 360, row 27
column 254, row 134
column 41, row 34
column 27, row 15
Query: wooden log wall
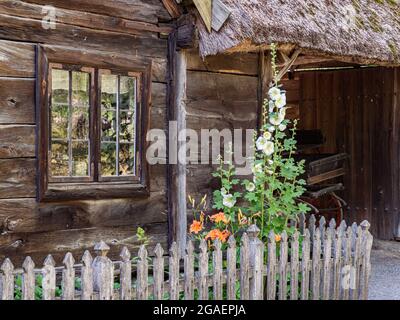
column 118, row 29
column 358, row 112
column 221, row 93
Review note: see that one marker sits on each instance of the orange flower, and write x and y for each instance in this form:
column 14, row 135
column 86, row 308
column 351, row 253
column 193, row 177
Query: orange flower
column 218, row 234
column 278, row 238
column 196, row 227
column 219, row 217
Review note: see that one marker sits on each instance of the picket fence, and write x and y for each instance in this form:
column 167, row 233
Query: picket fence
column 318, row 262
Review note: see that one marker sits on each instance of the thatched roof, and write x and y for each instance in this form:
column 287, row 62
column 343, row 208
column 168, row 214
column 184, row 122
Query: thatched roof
column 365, row 31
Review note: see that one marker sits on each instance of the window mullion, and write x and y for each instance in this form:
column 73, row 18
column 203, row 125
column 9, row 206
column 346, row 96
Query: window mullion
column 70, row 124
column 117, row 127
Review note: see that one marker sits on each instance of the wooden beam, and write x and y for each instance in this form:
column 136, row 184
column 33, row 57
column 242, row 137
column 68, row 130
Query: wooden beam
column 185, row 34
column 220, row 13
column 172, row 7
column 265, row 77
column 205, row 9
column 289, row 62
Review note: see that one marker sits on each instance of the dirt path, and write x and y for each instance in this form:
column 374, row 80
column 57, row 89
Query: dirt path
column 385, row 274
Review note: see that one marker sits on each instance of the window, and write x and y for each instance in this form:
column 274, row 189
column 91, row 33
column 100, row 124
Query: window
column 93, row 121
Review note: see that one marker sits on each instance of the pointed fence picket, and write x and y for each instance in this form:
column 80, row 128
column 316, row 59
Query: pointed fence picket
column 316, row 262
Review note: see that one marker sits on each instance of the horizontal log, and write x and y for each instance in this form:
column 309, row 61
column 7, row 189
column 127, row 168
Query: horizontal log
column 38, row 245
column 17, row 59
column 142, row 10
column 217, row 86
column 82, row 19
column 24, row 29
column 17, row 101
column 17, row 178
column 26, row 215
column 17, row 141
column 101, row 58
column 236, row 63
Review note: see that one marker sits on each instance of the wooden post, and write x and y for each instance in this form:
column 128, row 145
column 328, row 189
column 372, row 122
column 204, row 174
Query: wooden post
column 158, row 272
column 142, row 275
column 367, row 240
column 87, row 276
column 103, row 272
column 231, row 269
column 68, row 278
column 244, row 268
column 294, row 267
column 283, row 261
column 7, row 280
column 49, row 278
column 265, row 78
column 173, row 272
column 305, row 266
column 189, row 271
column 203, row 271
column 271, row 267
column 217, row 271
column 316, row 267
column 28, row 279
column 126, row 275
column 256, row 260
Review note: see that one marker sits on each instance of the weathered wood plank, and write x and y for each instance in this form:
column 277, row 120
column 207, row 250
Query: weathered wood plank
column 203, row 271
column 316, row 266
column 271, row 267
column 68, row 278
column 26, row 215
column 244, row 268
column 28, row 279
column 237, row 63
column 7, row 280
column 17, row 59
column 173, row 272
column 25, row 29
column 49, row 278
column 17, row 141
column 38, row 245
column 103, row 272
column 189, row 271
column 305, row 266
column 82, row 19
column 217, row 271
column 126, row 273
column 87, row 276
column 231, row 269
column 158, row 272
column 327, row 266
column 142, row 275
column 17, row 101
column 283, row 261
column 294, row 267
column 17, row 178
column 148, row 11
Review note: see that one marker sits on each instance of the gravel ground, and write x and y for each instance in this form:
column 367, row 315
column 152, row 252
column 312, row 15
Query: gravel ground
column 385, row 272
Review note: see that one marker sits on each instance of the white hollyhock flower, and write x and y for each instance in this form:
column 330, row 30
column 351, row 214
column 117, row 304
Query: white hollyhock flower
column 228, row 200
column 267, row 135
column 261, row 142
column 280, row 101
column 223, row 191
column 269, row 148
column 282, row 113
column 271, row 106
column 276, row 119
column 270, row 162
column 282, row 127
column 250, row 187
column 274, row 93
column 271, row 129
column 257, row 168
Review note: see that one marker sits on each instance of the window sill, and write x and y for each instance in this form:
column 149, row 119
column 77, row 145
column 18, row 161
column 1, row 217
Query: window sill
column 94, row 190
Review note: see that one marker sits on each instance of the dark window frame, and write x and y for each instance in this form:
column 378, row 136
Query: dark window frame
column 77, row 188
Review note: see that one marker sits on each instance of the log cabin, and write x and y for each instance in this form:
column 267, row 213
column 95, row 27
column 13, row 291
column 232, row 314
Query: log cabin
column 82, row 82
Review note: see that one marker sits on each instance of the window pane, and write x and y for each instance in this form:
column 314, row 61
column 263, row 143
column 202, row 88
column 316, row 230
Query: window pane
column 59, row 158
column 108, row 125
column 80, row 89
column 80, row 123
column 126, row 159
column 126, row 130
column 109, row 88
column 59, row 122
column 108, row 159
column 80, row 154
column 127, row 92
column 59, row 86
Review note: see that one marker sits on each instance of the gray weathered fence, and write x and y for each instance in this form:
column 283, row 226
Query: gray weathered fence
column 315, row 263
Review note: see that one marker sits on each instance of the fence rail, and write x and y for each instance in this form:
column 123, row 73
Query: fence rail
column 315, row 263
